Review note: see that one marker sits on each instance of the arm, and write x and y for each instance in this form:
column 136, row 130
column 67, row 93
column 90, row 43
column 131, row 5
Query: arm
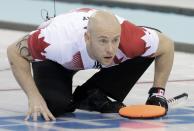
column 164, row 61
column 19, row 59
column 163, row 65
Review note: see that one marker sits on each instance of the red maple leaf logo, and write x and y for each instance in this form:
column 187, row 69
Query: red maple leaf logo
column 37, row 46
column 131, row 43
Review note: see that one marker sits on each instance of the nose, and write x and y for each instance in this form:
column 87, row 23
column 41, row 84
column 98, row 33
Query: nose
column 110, row 48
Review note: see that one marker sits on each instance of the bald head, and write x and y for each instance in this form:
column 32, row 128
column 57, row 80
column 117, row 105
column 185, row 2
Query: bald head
column 102, row 37
column 103, row 20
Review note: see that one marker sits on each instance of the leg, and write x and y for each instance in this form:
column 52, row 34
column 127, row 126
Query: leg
column 55, row 85
column 116, row 81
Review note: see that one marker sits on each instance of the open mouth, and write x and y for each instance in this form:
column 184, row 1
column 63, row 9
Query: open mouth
column 108, row 57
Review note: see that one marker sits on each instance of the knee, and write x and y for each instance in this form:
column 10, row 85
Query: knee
column 61, row 107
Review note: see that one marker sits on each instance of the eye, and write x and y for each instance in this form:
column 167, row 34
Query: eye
column 116, row 40
column 103, row 40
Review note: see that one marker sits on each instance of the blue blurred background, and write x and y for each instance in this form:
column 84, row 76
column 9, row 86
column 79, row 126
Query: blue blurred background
column 18, row 13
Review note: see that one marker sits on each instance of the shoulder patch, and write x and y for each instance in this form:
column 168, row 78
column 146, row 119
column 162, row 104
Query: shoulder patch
column 131, row 42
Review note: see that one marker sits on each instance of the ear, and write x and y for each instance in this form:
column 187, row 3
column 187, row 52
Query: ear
column 87, row 37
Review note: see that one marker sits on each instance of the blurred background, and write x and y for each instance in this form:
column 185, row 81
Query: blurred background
column 175, row 17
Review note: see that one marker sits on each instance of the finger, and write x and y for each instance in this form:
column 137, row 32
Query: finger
column 38, row 114
column 50, row 115
column 35, row 116
column 27, row 116
column 45, row 116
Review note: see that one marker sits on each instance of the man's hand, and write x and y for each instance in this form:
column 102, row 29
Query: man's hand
column 156, row 97
column 37, row 108
column 19, row 59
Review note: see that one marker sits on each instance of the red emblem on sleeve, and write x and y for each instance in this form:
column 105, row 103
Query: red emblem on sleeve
column 131, row 43
column 37, row 46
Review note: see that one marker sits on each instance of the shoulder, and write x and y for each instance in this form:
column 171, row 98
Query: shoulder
column 138, row 41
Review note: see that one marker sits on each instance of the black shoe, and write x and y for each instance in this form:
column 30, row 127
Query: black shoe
column 112, row 107
column 98, row 101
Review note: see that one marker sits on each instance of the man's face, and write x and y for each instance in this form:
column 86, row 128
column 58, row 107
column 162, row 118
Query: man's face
column 103, row 44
